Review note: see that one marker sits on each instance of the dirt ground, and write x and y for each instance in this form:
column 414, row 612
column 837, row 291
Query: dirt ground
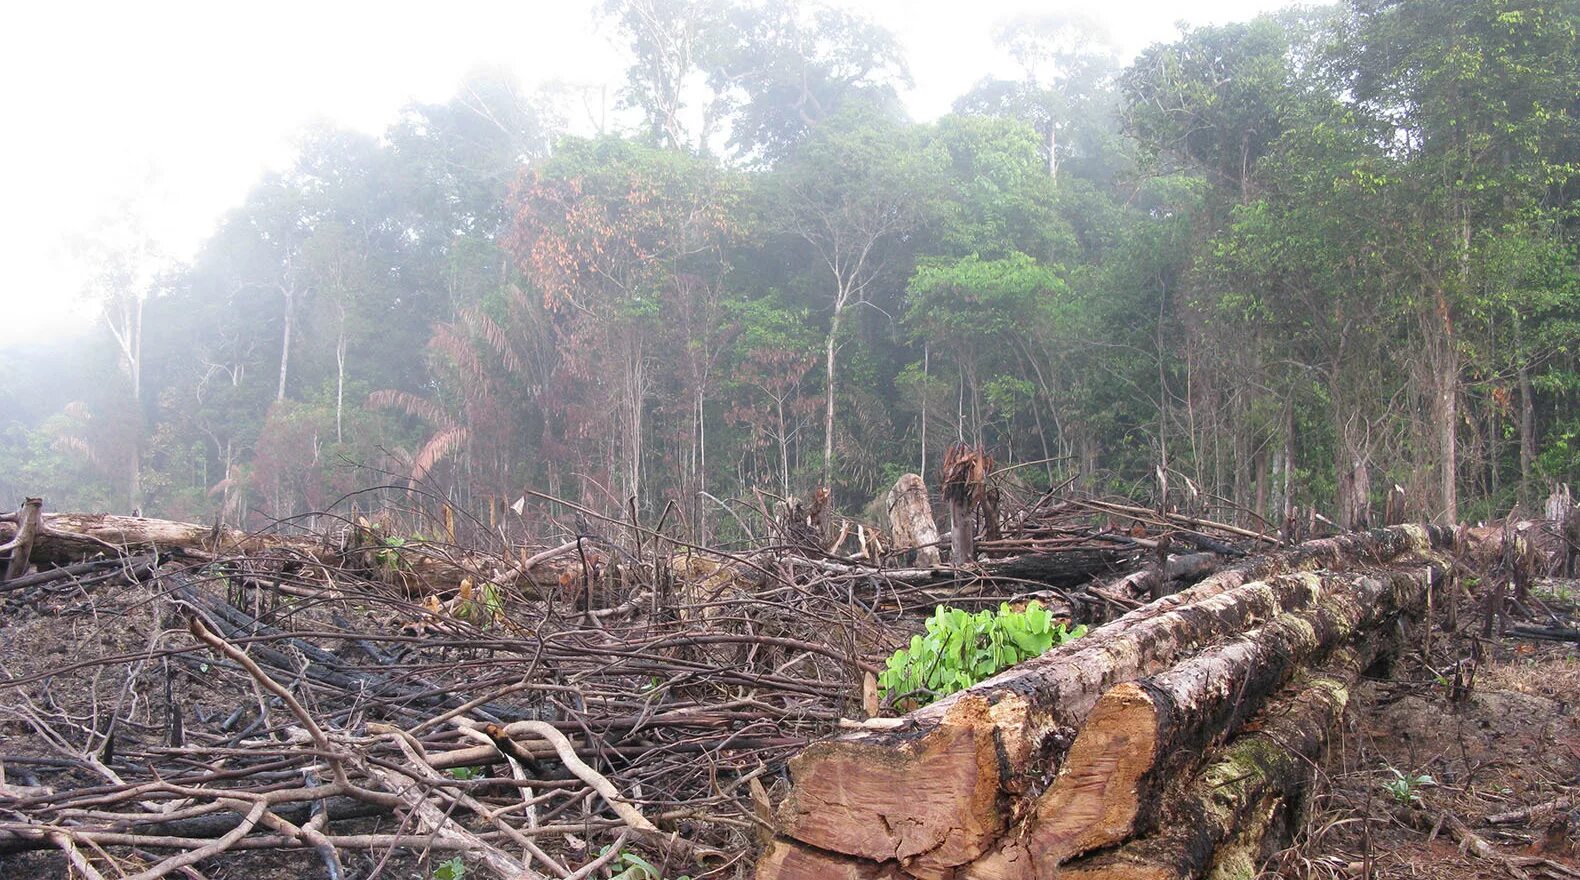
column 1412, row 759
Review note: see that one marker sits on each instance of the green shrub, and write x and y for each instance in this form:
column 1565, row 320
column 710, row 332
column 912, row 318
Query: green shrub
column 960, row 649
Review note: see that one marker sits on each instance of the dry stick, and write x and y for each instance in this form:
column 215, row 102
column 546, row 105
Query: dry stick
column 528, row 795
column 1483, row 849
column 40, row 832
column 608, row 856
column 320, row 740
column 442, row 829
column 517, row 571
column 1196, row 521
column 1514, row 817
column 75, row 856
column 471, row 704
column 414, row 753
column 214, row 848
column 311, row 832
column 630, row 815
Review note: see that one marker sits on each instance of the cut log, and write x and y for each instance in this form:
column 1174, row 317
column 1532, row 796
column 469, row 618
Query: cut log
column 1057, row 568
column 67, row 538
column 911, row 520
column 1231, row 800
column 1144, row 583
column 70, row 537
column 858, row 795
column 1143, row 734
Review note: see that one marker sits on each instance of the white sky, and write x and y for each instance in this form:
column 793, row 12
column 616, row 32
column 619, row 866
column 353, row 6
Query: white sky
column 178, row 107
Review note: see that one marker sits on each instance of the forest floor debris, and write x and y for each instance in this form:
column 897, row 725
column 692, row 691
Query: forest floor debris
column 361, row 712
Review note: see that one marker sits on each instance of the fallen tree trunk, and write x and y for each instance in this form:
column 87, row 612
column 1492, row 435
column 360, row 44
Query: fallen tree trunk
column 1145, row 583
column 1220, row 821
column 70, row 537
column 937, row 792
column 1143, row 733
column 1058, row 568
column 63, row 539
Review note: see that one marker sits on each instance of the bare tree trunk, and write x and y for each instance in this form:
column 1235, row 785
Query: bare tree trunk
column 340, row 384
column 828, row 405
column 784, row 449
column 926, row 352
column 1445, row 375
column 129, row 336
column 1527, row 433
column 28, row 519
column 1053, row 150
column 285, row 340
column 1259, row 503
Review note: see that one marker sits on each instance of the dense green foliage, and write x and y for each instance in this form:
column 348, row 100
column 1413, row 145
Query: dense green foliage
column 1292, row 261
column 960, row 649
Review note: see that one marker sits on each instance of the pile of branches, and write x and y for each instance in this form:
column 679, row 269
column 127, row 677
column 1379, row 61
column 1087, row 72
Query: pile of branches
column 351, row 695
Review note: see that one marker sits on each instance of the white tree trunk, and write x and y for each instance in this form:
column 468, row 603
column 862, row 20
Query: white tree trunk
column 829, row 391
column 285, row 339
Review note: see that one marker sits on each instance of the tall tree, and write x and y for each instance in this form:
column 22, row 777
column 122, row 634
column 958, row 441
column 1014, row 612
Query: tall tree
column 856, row 187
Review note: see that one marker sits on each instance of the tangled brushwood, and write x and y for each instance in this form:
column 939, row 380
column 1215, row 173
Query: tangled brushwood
column 353, row 701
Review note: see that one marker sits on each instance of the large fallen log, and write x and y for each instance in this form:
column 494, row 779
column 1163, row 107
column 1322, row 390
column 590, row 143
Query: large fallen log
column 1219, row 822
column 70, row 537
column 937, row 792
column 63, row 539
column 1143, row 734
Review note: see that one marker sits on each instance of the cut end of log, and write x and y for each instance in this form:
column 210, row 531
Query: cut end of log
column 1097, row 798
column 786, row 861
column 933, row 799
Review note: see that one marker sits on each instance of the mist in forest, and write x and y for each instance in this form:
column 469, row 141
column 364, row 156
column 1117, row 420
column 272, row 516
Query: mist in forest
column 1290, row 262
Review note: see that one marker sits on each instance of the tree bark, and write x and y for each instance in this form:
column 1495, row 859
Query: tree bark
column 1141, row 733
column 911, row 520
column 1527, row 433
column 784, row 860
column 1143, row 584
column 1230, row 802
column 340, row 384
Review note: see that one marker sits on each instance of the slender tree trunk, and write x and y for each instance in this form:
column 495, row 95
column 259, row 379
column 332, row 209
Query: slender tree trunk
column 129, row 336
column 926, row 353
column 784, row 450
column 135, row 483
column 828, row 404
column 1259, row 504
column 285, row 339
column 1445, row 380
column 1527, row 417
column 340, row 384
column 1053, row 150
column 1286, row 507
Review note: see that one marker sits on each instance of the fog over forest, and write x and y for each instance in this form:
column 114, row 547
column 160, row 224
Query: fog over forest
column 1287, row 264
